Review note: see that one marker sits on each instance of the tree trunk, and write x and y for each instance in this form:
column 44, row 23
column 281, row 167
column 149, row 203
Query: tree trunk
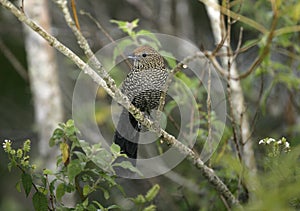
column 43, row 77
column 237, row 98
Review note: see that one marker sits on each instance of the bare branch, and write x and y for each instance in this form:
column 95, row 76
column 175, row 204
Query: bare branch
column 208, row 105
column 266, row 49
column 13, row 60
column 235, row 16
column 100, row 27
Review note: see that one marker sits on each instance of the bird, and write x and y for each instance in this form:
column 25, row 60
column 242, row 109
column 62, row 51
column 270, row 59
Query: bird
column 143, row 86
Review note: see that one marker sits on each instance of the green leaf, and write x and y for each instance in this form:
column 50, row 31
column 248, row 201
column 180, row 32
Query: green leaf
column 105, row 193
column 128, row 165
column 81, row 156
column 145, row 33
column 62, row 125
column 70, row 123
column 57, row 134
column 18, row 186
column 115, row 149
column 92, row 207
column 102, row 158
column 65, row 152
column 40, row 202
column 86, row 147
column 99, row 205
column 121, row 24
column 113, row 207
column 47, row 172
column 52, row 186
column 86, row 190
column 187, row 80
column 140, row 199
column 27, row 183
column 126, row 26
column 51, row 142
column 251, row 43
column 169, row 58
column 85, row 202
column 9, row 166
column 109, row 179
column 295, row 12
column 151, row 207
column 152, row 193
column 60, row 191
column 70, row 128
column 74, row 168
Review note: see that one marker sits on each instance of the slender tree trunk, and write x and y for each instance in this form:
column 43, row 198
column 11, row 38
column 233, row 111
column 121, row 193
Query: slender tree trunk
column 43, row 76
column 237, row 98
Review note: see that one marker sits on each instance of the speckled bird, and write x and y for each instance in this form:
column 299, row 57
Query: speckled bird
column 143, row 86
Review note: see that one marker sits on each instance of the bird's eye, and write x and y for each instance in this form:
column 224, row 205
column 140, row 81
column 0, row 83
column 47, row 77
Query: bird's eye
column 144, row 55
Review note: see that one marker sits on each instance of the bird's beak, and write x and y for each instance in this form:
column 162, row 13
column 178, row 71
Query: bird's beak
column 132, row 57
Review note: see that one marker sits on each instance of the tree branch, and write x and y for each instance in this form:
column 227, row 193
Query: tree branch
column 104, row 80
column 235, row 16
column 13, row 60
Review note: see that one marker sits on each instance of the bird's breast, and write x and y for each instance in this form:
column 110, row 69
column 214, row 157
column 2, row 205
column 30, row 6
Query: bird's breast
column 140, row 81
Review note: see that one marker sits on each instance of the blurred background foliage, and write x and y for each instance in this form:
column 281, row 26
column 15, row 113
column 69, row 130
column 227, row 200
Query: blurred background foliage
column 271, row 96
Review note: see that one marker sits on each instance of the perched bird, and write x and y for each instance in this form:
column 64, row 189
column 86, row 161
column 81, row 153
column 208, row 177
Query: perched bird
column 143, row 86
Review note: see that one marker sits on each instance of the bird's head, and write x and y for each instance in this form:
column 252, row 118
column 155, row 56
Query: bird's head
column 146, row 58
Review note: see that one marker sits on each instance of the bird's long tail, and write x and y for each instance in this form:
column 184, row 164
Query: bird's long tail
column 127, row 134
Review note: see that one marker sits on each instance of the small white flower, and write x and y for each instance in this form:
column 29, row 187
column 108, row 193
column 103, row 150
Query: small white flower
column 270, row 140
column 5, row 142
column 279, row 142
column 287, row 145
column 262, row 141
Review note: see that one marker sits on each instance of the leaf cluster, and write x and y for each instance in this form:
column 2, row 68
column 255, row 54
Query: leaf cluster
column 82, row 169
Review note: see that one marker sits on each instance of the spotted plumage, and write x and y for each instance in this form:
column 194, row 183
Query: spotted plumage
column 143, row 86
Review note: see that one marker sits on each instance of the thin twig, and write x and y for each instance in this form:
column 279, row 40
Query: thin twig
column 99, row 26
column 216, row 64
column 236, row 16
column 266, row 49
column 51, row 196
column 286, row 30
column 234, row 122
column 208, row 105
column 237, row 50
column 13, row 60
column 74, row 10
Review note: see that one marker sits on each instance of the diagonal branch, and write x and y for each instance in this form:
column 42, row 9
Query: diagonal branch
column 104, row 80
column 13, row 60
column 235, row 16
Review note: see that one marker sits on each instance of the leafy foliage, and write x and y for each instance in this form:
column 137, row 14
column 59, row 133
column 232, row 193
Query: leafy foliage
column 82, row 168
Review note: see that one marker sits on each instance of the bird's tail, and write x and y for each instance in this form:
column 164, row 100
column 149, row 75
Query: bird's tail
column 127, row 134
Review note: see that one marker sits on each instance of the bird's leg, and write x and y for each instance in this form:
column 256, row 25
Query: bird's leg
column 142, row 127
column 154, row 116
